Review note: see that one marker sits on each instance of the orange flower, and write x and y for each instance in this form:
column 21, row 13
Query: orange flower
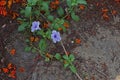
column 66, row 24
column 81, row 7
column 12, row 51
column 77, row 41
column 21, row 69
column 5, row 70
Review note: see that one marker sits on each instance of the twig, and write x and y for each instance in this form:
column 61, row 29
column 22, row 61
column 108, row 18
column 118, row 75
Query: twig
column 78, row 76
column 64, row 48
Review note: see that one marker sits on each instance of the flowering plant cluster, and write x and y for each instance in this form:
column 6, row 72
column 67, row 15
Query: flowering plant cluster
column 39, row 22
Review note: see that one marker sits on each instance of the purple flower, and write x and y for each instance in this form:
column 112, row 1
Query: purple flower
column 55, row 36
column 35, row 26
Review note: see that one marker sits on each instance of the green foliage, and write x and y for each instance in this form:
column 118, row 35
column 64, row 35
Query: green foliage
column 69, row 62
column 28, row 48
column 39, row 10
column 60, row 11
column 74, row 17
column 28, row 11
column 71, row 3
column 23, row 26
column 42, row 45
column 58, row 56
column 50, row 18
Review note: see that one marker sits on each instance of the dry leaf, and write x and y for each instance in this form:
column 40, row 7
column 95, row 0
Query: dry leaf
column 12, row 51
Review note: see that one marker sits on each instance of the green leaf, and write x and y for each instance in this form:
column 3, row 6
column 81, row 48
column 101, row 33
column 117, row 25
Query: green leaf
column 48, row 34
column 45, row 6
column 65, row 57
column 57, row 56
column 27, row 40
column 22, row 11
column 29, row 1
column 33, row 50
column 71, row 57
column 64, row 29
column 34, row 2
column 66, row 65
column 23, row 26
column 42, row 45
column 82, row 2
column 69, row 3
column 74, row 3
column 73, row 68
column 41, row 33
column 27, row 49
column 28, row 11
column 60, row 11
column 37, row 13
column 47, row 59
column 75, row 17
column 50, row 18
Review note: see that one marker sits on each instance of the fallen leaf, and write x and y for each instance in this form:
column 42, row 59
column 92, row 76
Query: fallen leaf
column 2, row 2
column 45, row 25
column 66, row 24
column 60, row 29
column 10, row 2
column 12, row 74
column 14, row 15
column 77, row 41
column 105, row 16
column 3, row 11
column 5, row 70
column 12, row 51
column 104, row 10
column 114, row 12
column 21, row 69
column 9, row 66
column 81, row 7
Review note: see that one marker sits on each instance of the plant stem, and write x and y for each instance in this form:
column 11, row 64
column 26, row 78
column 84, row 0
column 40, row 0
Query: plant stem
column 78, row 76
column 64, row 48
column 67, row 56
column 37, row 50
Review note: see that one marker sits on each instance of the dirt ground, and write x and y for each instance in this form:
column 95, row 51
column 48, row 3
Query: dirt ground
column 97, row 57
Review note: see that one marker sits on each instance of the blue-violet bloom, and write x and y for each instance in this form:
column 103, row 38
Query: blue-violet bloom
column 55, row 36
column 35, row 26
